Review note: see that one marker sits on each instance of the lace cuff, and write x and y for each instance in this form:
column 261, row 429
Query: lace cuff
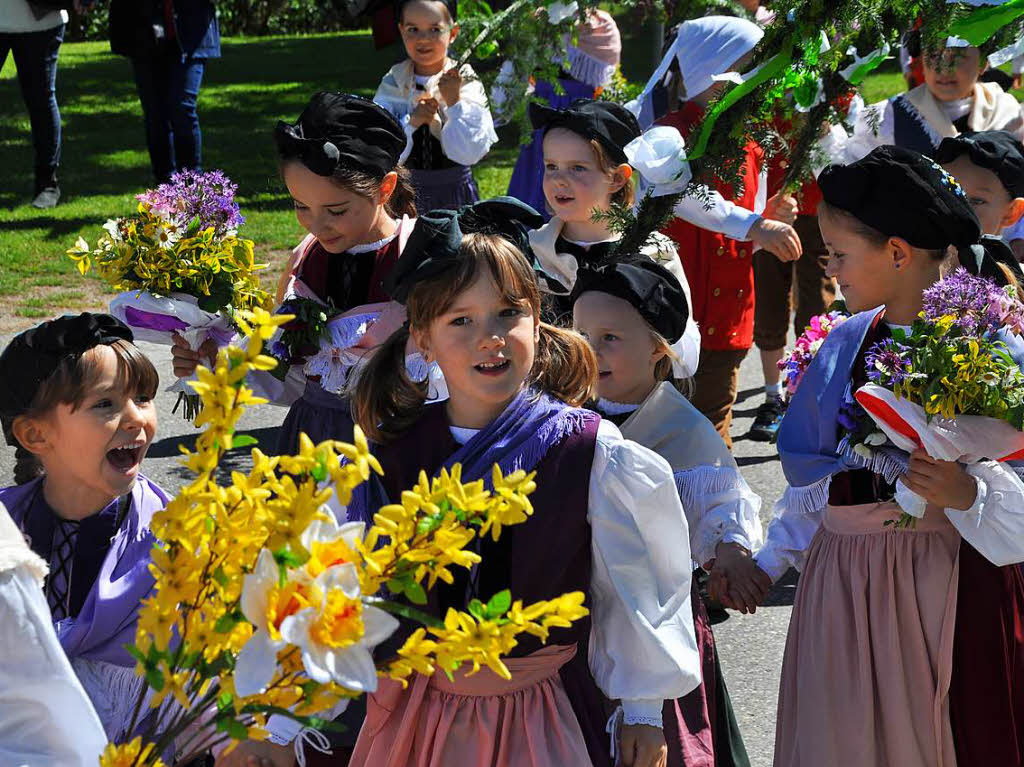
column 642, row 712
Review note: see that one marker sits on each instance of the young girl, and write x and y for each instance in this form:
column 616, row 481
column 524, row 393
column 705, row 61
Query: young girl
column 586, row 169
column 893, row 631
column 76, row 404
column 340, row 162
column 606, row 521
column 631, row 312
column 720, row 266
column 592, row 60
column 443, row 108
column 949, row 102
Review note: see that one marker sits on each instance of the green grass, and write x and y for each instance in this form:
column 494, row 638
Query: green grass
column 244, row 93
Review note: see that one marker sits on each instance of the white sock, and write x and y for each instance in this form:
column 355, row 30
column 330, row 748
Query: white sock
column 773, row 390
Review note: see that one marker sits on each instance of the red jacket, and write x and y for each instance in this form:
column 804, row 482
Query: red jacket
column 720, row 270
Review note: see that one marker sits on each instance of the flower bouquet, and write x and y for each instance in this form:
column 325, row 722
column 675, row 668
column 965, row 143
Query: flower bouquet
column 950, row 385
column 264, row 605
column 180, row 264
column 796, row 361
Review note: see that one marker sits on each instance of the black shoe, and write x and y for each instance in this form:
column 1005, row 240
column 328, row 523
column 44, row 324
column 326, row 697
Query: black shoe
column 766, row 422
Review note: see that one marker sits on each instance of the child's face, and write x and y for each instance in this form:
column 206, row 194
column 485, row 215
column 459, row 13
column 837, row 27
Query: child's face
column 864, row 272
column 952, row 72
column 992, row 204
column 621, row 339
column 574, row 183
column 427, row 32
column 485, row 347
column 98, row 448
column 338, row 217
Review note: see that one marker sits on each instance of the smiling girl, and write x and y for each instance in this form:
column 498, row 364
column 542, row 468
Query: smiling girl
column 76, row 402
column 606, row 518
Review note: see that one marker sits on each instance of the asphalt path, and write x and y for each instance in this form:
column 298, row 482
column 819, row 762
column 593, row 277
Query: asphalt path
column 750, row 646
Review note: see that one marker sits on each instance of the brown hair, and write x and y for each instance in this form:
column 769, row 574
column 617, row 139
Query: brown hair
column 387, row 402
column 402, row 201
column 447, row 10
column 70, row 384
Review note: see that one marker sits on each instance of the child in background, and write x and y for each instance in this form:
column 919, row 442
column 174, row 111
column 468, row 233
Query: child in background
column 631, row 312
column 76, row 403
column 443, row 108
column 607, row 519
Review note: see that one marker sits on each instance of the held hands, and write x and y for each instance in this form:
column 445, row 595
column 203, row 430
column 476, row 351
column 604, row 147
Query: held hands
column 641, row 745
column 781, row 207
column 185, row 360
column 424, row 112
column 450, row 86
column 254, row 753
column 779, row 239
column 941, row 483
column 736, row 580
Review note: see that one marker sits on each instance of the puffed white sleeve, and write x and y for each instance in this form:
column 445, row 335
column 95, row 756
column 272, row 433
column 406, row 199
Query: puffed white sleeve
column 721, row 215
column 994, row 525
column 643, row 649
column 720, row 508
column 468, row 131
column 872, row 128
column 45, row 715
column 795, row 520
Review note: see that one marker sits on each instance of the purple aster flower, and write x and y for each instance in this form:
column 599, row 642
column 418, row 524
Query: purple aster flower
column 887, row 362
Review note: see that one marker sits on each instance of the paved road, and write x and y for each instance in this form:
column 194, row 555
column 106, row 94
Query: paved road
column 751, row 646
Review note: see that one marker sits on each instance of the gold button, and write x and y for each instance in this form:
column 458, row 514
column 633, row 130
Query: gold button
column 784, row 164
column 716, row 292
column 711, row 331
column 732, row 334
column 721, row 251
column 739, row 294
column 743, row 253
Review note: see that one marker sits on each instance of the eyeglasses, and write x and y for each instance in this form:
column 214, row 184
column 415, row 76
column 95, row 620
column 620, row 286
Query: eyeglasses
column 434, row 33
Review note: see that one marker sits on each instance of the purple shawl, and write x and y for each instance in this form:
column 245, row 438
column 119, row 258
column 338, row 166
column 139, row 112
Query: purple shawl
column 106, row 622
column 519, row 438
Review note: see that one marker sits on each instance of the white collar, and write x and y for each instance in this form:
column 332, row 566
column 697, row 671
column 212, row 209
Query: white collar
column 369, row 247
column 608, row 407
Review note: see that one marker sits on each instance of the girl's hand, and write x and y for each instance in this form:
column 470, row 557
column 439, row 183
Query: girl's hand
column 942, row 483
column 736, row 580
column 779, row 239
column 424, row 113
column 450, row 86
column 185, row 360
column 253, row 753
column 781, row 207
column 641, row 745
column 391, row 318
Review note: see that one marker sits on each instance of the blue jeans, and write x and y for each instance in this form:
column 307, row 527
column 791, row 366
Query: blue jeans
column 169, row 90
column 35, row 56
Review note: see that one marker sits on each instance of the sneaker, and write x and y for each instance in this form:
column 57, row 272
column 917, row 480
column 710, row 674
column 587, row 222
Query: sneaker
column 47, row 198
column 767, row 419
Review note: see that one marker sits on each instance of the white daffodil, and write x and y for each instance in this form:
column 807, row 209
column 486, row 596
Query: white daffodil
column 330, row 544
column 337, row 637
column 257, row 660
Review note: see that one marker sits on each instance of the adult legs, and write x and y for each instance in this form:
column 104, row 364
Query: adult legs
column 184, row 79
column 152, row 83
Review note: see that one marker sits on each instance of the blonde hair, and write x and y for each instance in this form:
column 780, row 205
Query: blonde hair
column 387, row 401
column 626, row 195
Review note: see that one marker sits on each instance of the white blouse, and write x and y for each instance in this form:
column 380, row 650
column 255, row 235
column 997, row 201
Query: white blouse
column 45, row 716
column 994, row 524
column 643, row 649
column 465, row 129
column 723, row 216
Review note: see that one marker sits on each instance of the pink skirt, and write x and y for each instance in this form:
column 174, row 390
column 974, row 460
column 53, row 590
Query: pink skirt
column 866, row 673
column 476, row 721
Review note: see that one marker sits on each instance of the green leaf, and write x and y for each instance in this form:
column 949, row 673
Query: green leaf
column 225, row 623
column 404, row 611
column 136, row 653
column 396, row 585
column 243, row 440
column 477, row 610
column 319, row 472
column 155, row 679
column 499, row 604
column 414, row 591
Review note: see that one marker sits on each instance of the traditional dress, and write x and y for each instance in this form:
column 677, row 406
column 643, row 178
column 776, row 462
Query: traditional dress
column 700, row 728
column 917, row 120
column 591, row 65
column 905, row 646
column 607, row 521
column 99, row 573
column 559, row 258
column 45, row 715
column 440, row 155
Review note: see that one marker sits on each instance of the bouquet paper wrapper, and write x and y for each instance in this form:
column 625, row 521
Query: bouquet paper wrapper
column 966, row 438
column 157, row 318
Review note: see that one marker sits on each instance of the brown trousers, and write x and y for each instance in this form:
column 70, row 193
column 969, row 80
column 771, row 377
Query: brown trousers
column 774, row 291
column 715, row 386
